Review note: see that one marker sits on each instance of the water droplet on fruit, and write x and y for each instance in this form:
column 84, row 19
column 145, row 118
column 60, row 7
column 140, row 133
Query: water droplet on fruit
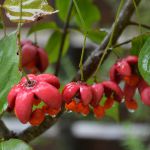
column 131, row 110
column 123, row 100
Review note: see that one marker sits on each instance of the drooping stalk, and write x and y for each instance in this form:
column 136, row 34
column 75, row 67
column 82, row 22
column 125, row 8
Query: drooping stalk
column 82, row 56
column 19, row 44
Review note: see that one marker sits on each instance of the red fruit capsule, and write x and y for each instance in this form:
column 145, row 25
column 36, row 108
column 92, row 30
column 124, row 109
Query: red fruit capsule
column 23, row 96
column 129, row 91
column 97, row 93
column 108, row 103
column 112, row 89
column 132, row 80
column 123, row 68
column 84, row 110
column 131, row 104
column 132, row 59
column 34, row 58
column 145, row 96
column 72, row 106
column 99, row 112
column 77, row 90
column 37, row 117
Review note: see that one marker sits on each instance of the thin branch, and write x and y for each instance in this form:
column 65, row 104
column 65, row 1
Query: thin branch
column 123, row 43
column 5, row 133
column 137, row 24
column 89, row 67
column 92, row 61
column 64, row 35
column 32, row 132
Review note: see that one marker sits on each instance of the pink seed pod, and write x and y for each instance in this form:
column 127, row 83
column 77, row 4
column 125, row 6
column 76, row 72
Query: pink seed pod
column 112, row 89
column 77, row 90
column 23, row 96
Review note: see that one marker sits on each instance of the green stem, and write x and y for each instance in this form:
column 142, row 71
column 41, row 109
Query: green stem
column 111, row 37
column 137, row 24
column 35, row 36
column 85, row 37
column 3, row 21
column 19, row 38
column 79, row 13
column 19, row 44
column 138, row 16
column 82, row 56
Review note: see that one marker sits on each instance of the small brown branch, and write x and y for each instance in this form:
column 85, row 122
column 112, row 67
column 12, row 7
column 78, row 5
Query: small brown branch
column 64, row 35
column 137, row 24
column 5, row 133
column 92, row 61
column 32, row 132
column 123, row 43
column 89, row 67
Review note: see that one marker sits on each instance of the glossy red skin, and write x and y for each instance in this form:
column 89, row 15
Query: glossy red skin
column 29, row 53
column 79, row 89
column 110, row 88
column 129, row 91
column 122, row 68
column 23, row 42
column 114, row 75
column 42, row 61
column 142, row 85
column 34, row 57
column 145, row 96
column 22, row 96
column 144, row 90
column 132, row 59
column 97, row 94
column 69, row 91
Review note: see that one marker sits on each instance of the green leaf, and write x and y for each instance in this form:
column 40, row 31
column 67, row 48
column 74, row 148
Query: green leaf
column 14, row 144
column 1, row 25
column 144, row 61
column 113, row 112
column 43, row 26
column 87, row 9
column 31, row 9
column 53, row 46
column 96, row 35
column 62, row 6
column 138, row 42
column 9, row 67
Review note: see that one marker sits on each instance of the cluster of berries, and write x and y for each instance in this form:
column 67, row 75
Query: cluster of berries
column 34, row 98
column 126, row 70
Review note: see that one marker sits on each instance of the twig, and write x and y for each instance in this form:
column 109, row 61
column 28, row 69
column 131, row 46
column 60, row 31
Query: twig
column 31, row 133
column 123, row 43
column 137, row 24
column 5, row 133
column 82, row 56
column 66, row 25
column 92, row 61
